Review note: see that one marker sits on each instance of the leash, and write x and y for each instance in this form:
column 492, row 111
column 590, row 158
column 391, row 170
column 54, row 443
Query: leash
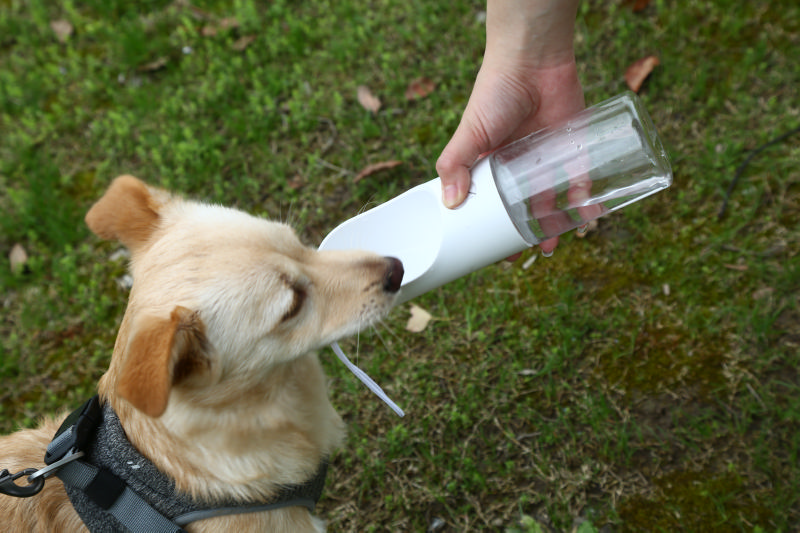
column 115, row 496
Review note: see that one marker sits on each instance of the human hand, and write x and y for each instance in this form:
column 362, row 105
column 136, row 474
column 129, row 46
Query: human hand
column 528, row 80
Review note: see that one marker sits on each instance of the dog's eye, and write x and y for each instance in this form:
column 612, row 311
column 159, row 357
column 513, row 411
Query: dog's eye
column 299, row 296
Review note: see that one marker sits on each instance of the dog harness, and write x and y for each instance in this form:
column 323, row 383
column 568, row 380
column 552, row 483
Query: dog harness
column 114, row 488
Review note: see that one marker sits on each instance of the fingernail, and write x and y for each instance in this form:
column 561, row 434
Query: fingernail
column 547, row 254
column 450, row 196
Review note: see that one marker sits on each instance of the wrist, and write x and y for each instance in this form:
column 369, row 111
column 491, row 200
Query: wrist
column 538, row 33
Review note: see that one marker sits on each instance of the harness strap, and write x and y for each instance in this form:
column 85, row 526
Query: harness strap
column 193, row 516
column 113, row 495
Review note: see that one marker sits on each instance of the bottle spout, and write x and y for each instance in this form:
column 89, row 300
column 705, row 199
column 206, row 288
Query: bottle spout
column 406, row 227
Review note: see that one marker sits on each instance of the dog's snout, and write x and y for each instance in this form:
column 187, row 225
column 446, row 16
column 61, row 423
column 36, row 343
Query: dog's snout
column 394, row 275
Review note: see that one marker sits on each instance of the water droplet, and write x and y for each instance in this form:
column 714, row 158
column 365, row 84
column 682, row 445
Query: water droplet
column 580, row 146
column 569, row 129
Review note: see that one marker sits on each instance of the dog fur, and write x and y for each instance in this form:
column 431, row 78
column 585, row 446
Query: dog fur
column 213, row 374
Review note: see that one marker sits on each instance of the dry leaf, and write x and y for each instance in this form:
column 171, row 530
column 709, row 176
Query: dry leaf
column 196, row 11
column 228, row 23
column 530, row 261
column 209, row 31
column 243, row 42
column 17, row 258
column 368, row 100
column 62, row 29
column 739, row 268
column 296, row 182
column 419, row 88
column 154, row 65
column 419, row 319
column 638, row 5
column 375, row 167
column 764, row 292
column 638, row 72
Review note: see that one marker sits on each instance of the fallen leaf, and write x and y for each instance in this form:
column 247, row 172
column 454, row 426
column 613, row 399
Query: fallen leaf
column 760, row 294
column 152, row 66
column 121, row 253
column 530, row 261
column 418, row 320
column 17, row 258
column 375, row 167
column 419, row 88
column 243, row 42
column 740, row 268
column 196, row 11
column 296, row 182
column 638, row 5
column 62, row 29
column 209, row 30
column 125, row 282
column 638, row 72
column 368, row 100
column 228, row 23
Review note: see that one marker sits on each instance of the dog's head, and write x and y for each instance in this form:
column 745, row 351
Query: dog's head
column 220, row 293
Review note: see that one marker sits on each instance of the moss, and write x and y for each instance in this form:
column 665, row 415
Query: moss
column 664, row 358
column 700, row 502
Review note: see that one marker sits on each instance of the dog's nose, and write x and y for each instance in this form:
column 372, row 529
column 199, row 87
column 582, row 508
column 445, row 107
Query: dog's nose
column 394, row 276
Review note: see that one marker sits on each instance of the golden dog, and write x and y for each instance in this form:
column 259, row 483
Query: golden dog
column 213, row 375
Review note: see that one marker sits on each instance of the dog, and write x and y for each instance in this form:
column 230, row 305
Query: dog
column 214, row 377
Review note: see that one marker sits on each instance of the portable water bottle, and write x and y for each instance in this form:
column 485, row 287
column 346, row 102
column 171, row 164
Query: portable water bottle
column 545, row 184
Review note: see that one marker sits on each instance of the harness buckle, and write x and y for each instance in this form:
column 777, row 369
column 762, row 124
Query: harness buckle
column 75, row 432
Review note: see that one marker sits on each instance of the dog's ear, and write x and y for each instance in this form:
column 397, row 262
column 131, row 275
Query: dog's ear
column 128, row 212
column 161, row 353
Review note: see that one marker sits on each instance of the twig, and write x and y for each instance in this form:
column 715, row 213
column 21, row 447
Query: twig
column 740, row 169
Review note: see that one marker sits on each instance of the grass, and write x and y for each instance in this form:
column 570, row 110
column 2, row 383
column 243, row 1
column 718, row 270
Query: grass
column 644, row 378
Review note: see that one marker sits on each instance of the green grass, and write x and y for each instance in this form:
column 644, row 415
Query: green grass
column 645, row 378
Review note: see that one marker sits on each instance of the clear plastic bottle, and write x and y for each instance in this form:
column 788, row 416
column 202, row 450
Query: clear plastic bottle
column 600, row 160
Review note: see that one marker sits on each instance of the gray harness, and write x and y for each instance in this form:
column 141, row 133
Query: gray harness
column 116, row 489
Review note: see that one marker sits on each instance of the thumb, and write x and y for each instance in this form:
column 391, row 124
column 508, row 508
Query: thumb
column 454, row 164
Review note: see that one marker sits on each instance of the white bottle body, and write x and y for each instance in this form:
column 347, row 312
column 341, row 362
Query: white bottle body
column 435, row 244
